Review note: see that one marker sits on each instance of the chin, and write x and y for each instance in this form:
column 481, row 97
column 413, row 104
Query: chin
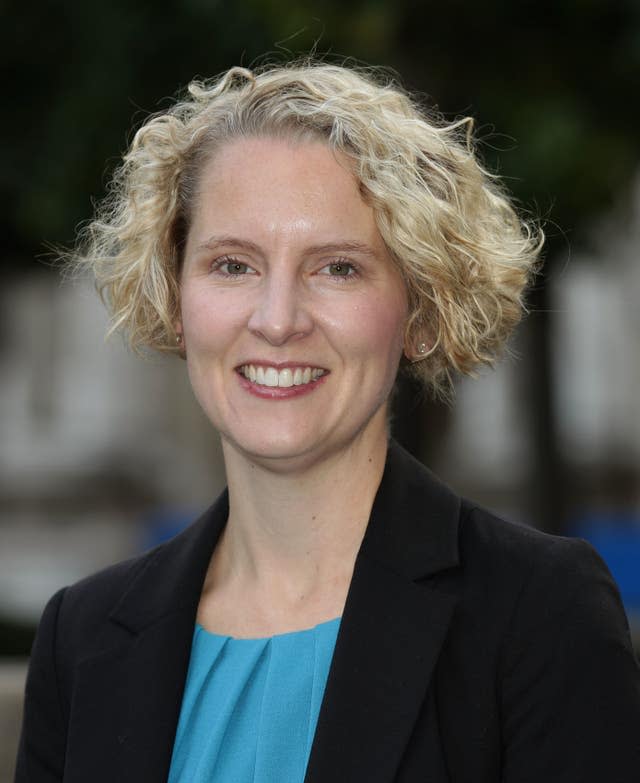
column 276, row 447
column 295, row 450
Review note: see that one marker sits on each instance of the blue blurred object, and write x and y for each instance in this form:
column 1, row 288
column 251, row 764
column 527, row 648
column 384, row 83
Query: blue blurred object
column 162, row 524
column 617, row 539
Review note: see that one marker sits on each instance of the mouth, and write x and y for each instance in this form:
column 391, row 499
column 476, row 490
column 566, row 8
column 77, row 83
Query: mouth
column 283, row 377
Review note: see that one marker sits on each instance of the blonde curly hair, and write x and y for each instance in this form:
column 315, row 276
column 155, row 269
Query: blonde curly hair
column 465, row 254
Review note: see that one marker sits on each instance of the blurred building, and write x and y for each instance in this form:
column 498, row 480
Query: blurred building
column 97, row 445
column 596, row 368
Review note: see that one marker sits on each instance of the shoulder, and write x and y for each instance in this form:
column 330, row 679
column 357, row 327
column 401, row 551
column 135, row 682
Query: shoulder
column 76, row 618
column 549, row 587
column 547, row 619
column 536, row 569
column 420, row 527
column 107, row 606
column 489, row 541
column 99, row 591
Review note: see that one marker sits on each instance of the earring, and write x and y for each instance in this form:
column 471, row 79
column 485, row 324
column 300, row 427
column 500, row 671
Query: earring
column 421, row 353
column 178, row 339
column 415, row 353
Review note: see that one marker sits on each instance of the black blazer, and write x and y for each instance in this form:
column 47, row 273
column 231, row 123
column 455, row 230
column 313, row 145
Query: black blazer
column 471, row 650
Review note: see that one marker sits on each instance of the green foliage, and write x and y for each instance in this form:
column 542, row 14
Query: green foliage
column 557, row 80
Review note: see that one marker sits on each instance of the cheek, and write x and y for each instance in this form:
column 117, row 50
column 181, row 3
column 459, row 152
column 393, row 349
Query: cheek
column 208, row 321
column 371, row 332
column 383, row 320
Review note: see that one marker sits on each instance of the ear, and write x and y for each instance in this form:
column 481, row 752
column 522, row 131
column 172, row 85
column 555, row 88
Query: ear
column 179, row 333
column 418, row 348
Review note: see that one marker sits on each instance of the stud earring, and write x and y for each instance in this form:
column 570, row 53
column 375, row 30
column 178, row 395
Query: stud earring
column 421, row 352
column 178, row 339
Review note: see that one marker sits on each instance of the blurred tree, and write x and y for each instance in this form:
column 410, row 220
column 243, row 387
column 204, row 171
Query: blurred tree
column 555, row 78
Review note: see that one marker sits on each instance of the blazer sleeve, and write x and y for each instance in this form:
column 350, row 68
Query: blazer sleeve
column 42, row 742
column 570, row 693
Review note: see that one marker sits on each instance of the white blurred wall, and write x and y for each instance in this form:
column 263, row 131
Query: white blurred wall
column 77, row 412
column 596, row 363
column 597, row 339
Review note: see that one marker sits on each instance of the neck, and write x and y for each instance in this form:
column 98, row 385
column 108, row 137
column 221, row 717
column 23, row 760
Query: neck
column 297, row 530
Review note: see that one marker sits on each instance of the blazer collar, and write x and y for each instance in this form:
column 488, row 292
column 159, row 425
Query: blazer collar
column 172, row 576
column 413, row 528
column 413, row 531
column 138, row 683
column 394, row 624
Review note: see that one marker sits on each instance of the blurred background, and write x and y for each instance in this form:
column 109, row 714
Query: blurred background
column 103, row 454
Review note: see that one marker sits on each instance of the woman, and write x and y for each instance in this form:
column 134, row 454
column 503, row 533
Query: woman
column 338, row 614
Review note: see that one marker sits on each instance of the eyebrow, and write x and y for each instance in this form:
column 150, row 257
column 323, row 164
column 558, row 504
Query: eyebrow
column 215, row 242
column 345, row 246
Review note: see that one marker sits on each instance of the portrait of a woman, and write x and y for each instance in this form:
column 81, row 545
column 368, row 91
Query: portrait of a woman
column 300, row 236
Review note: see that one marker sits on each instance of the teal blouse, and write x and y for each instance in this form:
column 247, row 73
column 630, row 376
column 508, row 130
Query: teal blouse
column 250, row 706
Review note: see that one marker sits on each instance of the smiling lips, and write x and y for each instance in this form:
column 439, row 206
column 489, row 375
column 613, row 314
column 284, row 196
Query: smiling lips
column 283, row 377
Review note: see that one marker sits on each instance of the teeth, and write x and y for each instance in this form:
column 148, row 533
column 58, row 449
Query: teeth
column 285, row 378
column 270, row 376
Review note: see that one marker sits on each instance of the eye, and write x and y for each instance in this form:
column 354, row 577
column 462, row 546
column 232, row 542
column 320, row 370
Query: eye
column 236, row 268
column 231, row 267
column 339, row 268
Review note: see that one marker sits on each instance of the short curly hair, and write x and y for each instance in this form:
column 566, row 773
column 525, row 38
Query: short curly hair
column 464, row 253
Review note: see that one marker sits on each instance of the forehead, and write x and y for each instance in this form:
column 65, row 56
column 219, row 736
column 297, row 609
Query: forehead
column 281, row 183
column 279, row 156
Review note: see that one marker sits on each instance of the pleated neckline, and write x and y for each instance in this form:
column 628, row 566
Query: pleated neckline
column 319, row 627
column 251, row 705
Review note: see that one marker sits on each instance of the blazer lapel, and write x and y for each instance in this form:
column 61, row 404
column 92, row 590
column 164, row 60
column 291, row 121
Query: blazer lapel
column 394, row 623
column 133, row 690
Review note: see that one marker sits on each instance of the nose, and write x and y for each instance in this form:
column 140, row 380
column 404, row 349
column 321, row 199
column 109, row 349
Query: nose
column 281, row 314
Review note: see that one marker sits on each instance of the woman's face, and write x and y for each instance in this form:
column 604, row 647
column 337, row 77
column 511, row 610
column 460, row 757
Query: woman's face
column 291, row 310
